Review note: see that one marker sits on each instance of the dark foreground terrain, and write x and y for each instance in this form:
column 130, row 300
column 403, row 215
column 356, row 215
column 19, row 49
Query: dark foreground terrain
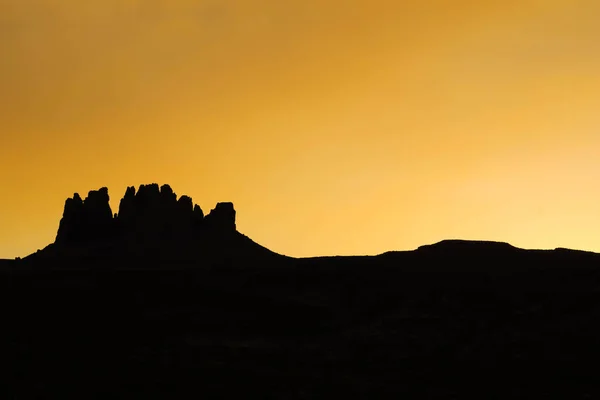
column 160, row 300
column 455, row 320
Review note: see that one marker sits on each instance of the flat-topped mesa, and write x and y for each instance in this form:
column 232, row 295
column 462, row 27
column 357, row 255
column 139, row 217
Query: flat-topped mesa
column 151, row 212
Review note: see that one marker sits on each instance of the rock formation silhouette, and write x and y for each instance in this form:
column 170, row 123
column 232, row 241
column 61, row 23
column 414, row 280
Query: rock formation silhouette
column 151, row 212
column 151, row 222
column 222, row 217
column 86, row 220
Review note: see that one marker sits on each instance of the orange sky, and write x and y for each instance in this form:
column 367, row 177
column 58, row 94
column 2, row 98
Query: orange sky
column 336, row 127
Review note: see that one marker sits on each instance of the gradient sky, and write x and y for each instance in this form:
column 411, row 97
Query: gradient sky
column 336, row 127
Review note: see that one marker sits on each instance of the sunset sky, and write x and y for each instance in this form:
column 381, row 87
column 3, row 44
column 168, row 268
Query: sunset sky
column 335, row 127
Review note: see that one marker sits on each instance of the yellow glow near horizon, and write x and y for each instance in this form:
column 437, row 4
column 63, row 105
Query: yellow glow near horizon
column 336, row 127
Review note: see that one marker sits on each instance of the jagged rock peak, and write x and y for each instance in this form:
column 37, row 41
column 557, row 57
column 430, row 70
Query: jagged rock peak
column 87, row 219
column 198, row 214
column 149, row 211
column 166, row 191
column 222, row 217
column 185, row 204
column 127, row 205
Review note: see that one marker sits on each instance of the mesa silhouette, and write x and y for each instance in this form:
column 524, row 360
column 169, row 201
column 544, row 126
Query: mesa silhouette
column 152, row 222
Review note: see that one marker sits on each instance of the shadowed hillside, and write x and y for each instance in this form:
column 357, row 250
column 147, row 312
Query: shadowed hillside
column 162, row 301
